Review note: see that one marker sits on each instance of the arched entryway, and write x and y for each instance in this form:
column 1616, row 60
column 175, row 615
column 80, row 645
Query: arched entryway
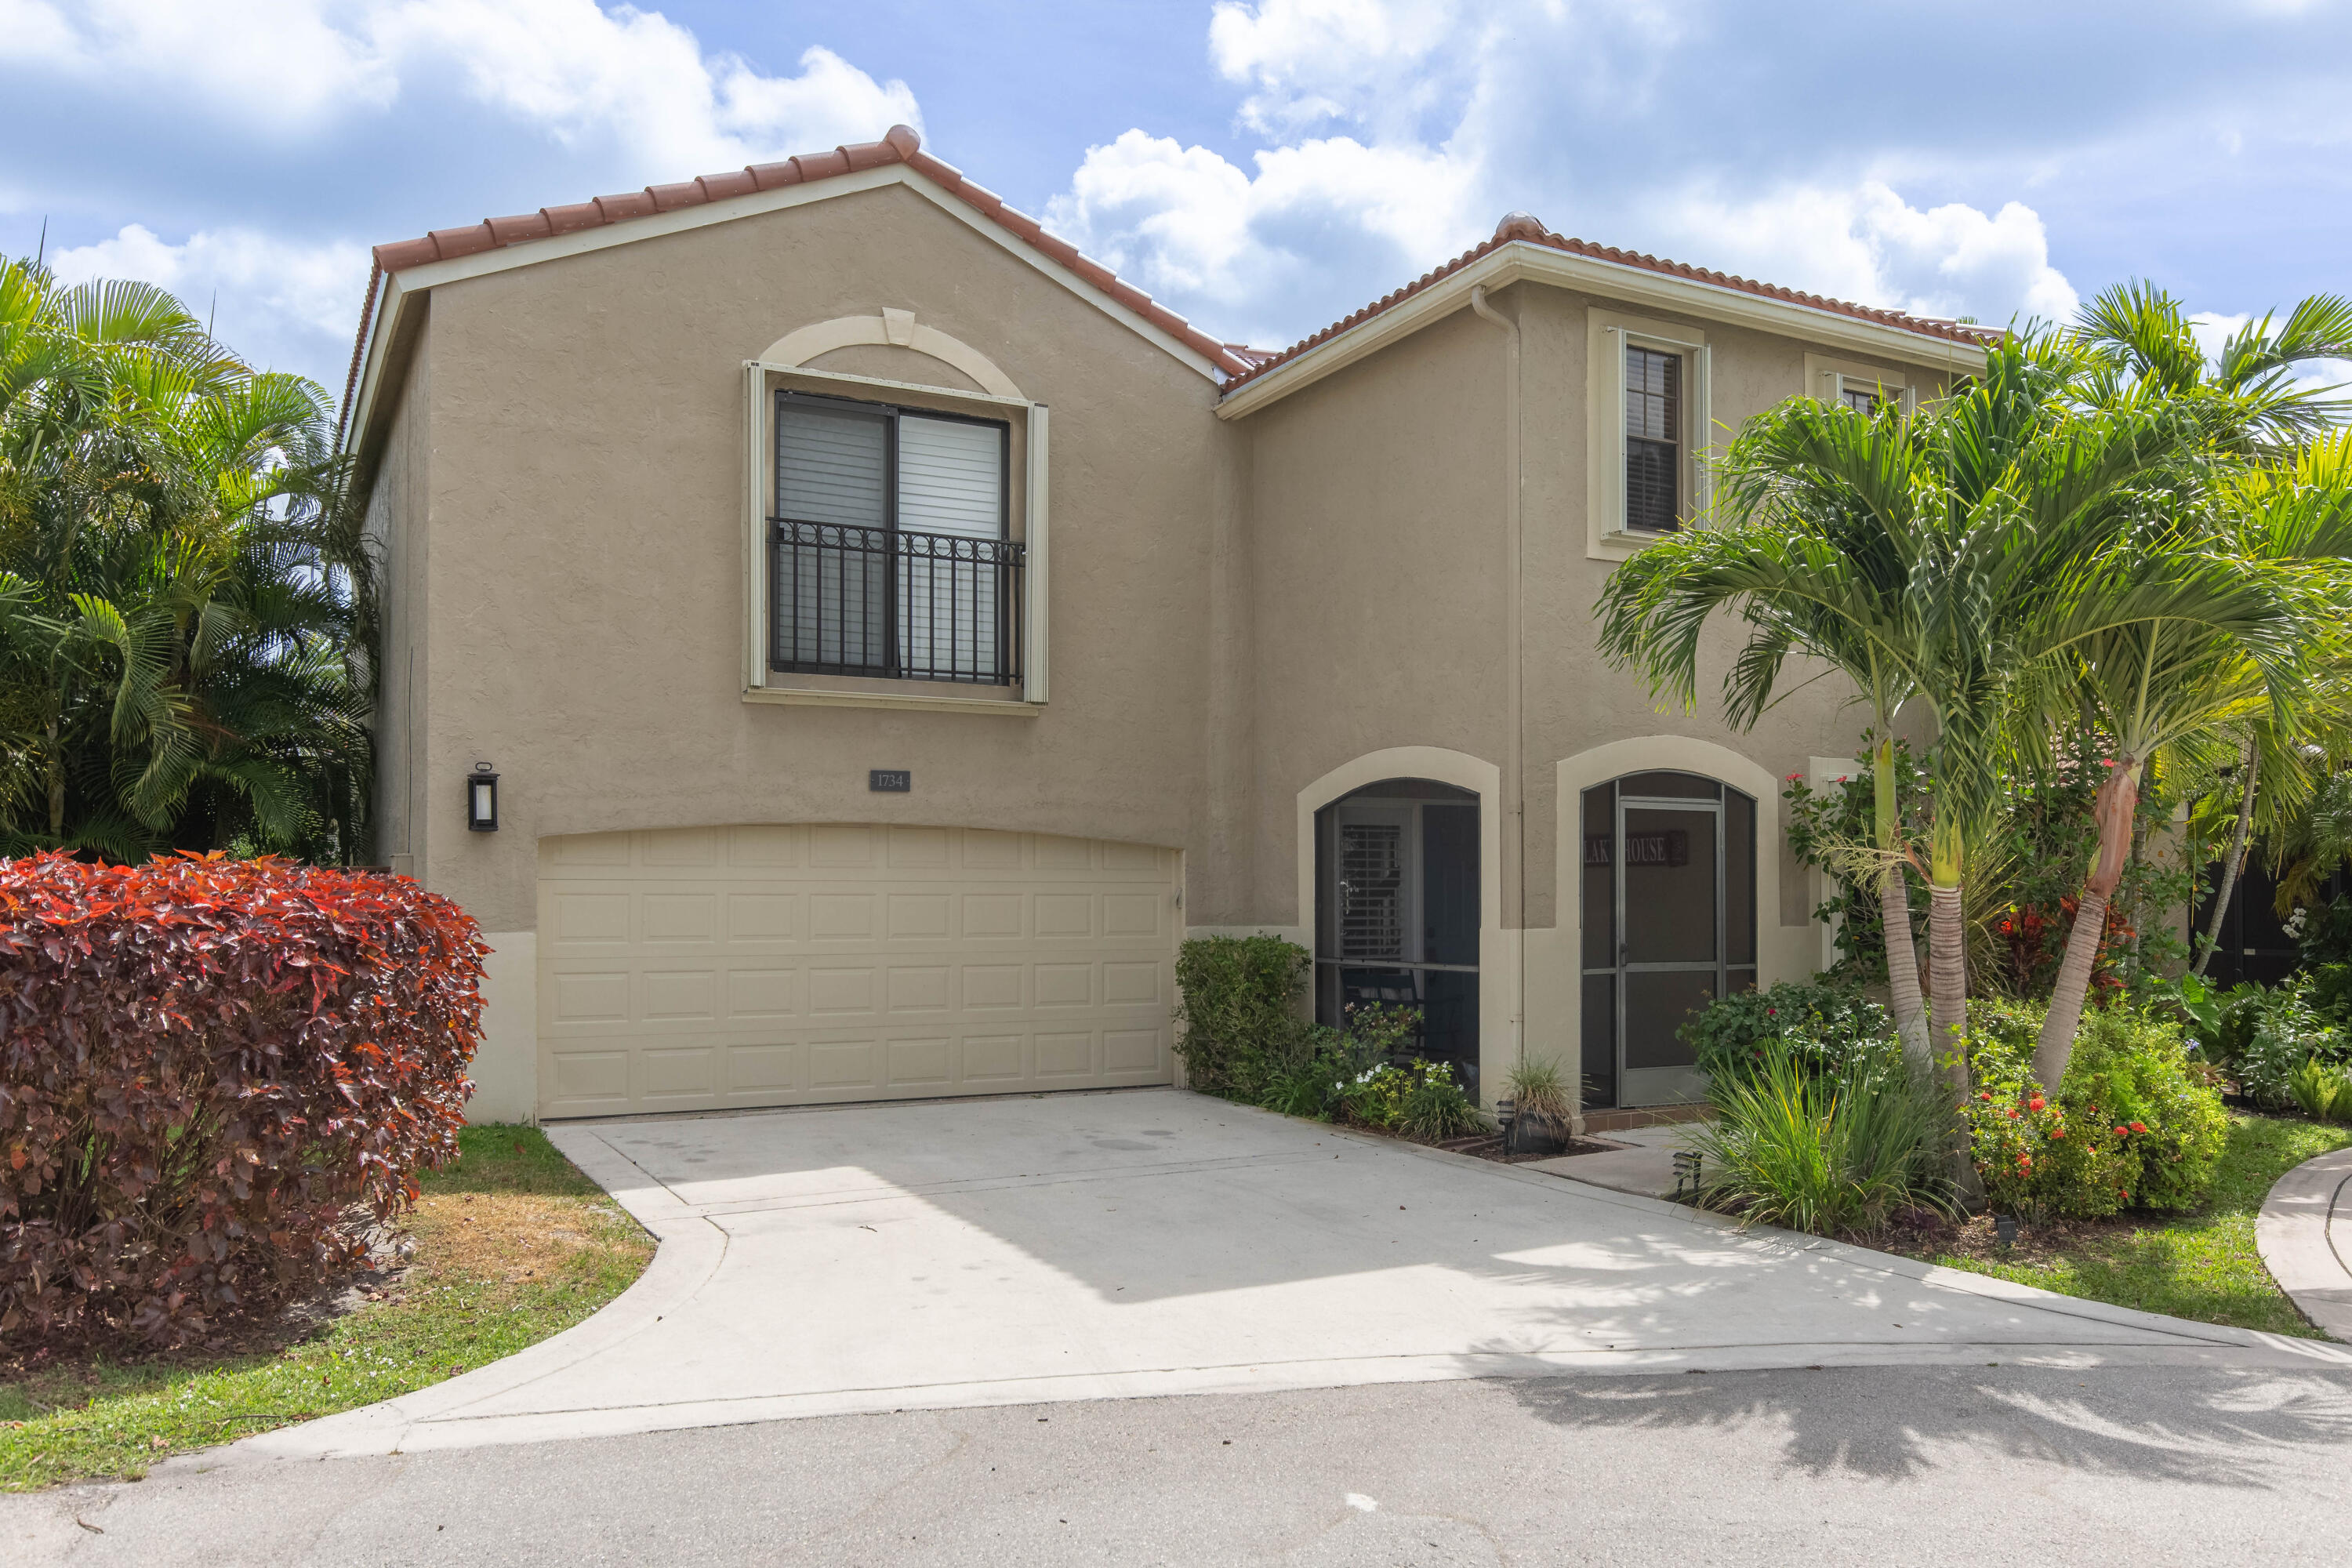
column 1398, row 912
column 1668, row 918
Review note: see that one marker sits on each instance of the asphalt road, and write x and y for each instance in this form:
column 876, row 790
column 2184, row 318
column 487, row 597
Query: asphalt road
column 1864, row 1465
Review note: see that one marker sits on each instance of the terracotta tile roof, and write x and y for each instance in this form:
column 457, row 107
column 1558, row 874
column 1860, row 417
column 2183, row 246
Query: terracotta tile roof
column 1520, row 226
column 899, row 145
column 1242, row 364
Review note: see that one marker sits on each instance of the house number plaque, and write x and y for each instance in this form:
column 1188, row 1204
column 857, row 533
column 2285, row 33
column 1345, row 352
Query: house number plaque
column 889, row 781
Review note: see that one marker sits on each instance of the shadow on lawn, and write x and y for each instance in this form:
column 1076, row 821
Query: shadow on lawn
column 2162, row 1423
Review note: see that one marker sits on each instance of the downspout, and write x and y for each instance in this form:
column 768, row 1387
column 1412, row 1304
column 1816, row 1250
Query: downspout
column 1514, row 703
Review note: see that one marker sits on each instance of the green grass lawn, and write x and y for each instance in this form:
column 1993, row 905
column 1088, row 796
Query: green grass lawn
column 512, row 1245
column 2203, row 1266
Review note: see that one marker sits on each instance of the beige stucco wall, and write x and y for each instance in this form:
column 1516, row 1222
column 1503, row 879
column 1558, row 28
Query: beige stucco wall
column 1240, row 609
column 400, row 541
column 585, row 568
column 1377, row 530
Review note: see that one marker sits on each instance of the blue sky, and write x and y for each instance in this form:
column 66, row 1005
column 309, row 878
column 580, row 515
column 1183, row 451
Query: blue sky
column 1262, row 165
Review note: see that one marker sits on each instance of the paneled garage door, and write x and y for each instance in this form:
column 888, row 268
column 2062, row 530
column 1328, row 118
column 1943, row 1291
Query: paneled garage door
column 697, row 969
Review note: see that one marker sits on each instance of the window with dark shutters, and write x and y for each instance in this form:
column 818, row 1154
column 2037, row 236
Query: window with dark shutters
column 1654, row 427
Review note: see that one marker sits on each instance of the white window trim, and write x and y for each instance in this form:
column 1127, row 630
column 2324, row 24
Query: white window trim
column 1826, row 379
column 761, row 380
column 1608, row 334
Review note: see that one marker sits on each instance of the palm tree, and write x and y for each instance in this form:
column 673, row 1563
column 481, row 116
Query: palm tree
column 1949, row 557
column 183, row 604
column 1814, row 571
column 2240, row 662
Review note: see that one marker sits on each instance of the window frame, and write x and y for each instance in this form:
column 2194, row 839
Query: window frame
column 1827, row 378
column 1023, row 507
column 1610, row 337
column 890, row 416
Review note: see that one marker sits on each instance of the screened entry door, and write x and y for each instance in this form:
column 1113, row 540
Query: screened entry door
column 1669, row 925
column 1398, row 913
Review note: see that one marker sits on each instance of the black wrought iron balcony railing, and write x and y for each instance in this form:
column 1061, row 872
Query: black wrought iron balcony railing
column 886, row 602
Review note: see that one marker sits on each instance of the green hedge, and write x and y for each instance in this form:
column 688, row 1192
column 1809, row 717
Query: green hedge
column 1238, row 1010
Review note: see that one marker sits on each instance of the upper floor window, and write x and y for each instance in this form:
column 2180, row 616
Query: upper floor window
column 1864, row 388
column 1647, row 423
column 889, row 550
column 1654, row 439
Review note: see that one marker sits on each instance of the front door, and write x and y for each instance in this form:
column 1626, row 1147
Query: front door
column 1669, row 926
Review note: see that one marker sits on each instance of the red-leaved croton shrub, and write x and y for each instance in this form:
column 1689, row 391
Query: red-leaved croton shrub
column 205, row 1065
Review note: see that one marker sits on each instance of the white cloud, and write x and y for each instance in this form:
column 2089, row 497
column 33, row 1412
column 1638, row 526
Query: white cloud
column 1187, row 226
column 567, row 68
column 1395, row 132
column 282, row 304
column 1309, row 61
column 276, row 63
column 1867, row 244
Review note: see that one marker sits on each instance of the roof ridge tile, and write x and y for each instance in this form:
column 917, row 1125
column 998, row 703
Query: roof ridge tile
column 1520, row 228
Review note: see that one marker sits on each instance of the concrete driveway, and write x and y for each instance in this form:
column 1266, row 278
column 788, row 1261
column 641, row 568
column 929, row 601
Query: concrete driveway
column 1158, row 1242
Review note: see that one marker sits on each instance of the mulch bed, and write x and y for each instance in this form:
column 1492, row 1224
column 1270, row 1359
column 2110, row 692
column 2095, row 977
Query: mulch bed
column 266, row 1329
column 1490, row 1147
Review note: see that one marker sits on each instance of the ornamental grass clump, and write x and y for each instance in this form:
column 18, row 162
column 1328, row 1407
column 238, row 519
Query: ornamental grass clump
column 2132, row 1124
column 207, row 1069
column 1830, row 1152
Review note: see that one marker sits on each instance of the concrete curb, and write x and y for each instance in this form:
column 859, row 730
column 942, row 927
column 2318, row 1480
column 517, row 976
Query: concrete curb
column 688, row 1250
column 2304, row 1234
column 2269, row 1349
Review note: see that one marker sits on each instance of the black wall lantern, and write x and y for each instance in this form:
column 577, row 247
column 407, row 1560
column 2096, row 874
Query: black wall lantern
column 482, row 799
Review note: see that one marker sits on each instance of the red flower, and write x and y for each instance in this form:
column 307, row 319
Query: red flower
column 2036, row 1103
column 2013, row 1115
column 1984, row 1094
column 2057, row 1133
column 2123, row 1131
column 2140, row 1126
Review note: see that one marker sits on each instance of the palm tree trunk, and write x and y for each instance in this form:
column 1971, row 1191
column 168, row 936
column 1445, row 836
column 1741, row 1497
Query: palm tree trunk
column 1948, row 991
column 56, row 766
column 1894, row 913
column 2230, row 863
column 1909, row 1007
column 2112, row 808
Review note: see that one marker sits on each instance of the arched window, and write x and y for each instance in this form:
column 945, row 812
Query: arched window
column 1396, row 912
column 1669, row 919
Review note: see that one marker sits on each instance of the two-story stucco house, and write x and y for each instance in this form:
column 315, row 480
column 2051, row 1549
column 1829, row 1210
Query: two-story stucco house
column 892, row 634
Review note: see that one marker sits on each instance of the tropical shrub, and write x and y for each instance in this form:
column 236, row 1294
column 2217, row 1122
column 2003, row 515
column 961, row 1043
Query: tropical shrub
column 2133, row 1123
column 1824, row 1026
column 204, row 1064
column 1832, row 1151
column 1237, row 1003
column 1436, row 1108
column 2280, row 1030
column 187, row 623
column 1417, row 1098
column 2324, row 1090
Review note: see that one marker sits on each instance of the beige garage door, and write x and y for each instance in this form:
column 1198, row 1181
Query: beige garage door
column 697, row 969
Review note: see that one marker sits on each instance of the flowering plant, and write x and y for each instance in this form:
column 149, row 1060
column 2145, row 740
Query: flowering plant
column 2131, row 1125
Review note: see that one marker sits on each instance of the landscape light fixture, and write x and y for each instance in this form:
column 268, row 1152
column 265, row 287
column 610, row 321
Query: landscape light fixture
column 482, row 799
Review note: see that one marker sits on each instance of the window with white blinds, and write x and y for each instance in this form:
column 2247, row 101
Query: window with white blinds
column 887, row 556
column 951, row 480
column 1371, row 890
